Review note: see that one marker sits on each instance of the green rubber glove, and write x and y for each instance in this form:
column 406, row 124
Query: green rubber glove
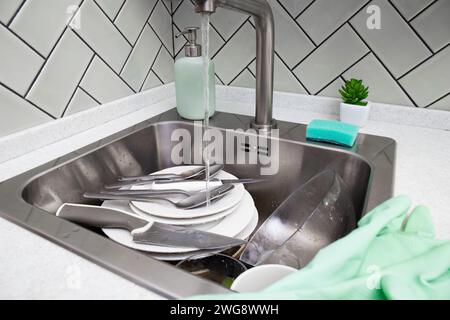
column 391, row 255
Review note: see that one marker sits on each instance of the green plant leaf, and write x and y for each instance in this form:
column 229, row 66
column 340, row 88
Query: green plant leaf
column 354, row 92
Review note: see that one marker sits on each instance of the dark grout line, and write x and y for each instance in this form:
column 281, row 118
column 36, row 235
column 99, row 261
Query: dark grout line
column 151, row 67
column 91, row 96
column 23, row 41
column 384, row 66
column 422, row 11
column 78, row 84
column 412, row 29
column 138, row 38
column 297, row 23
column 223, row 83
column 103, row 60
column 437, row 100
column 160, row 40
column 119, row 11
column 169, row 11
column 52, row 50
column 331, row 35
column 351, row 66
column 176, row 9
column 423, row 61
column 234, row 33
column 113, row 23
column 178, row 52
column 293, row 74
column 241, row 72
column 30, row 102
column 217, row 31
column 15, row 13
column 173, row 33
column 303, row 11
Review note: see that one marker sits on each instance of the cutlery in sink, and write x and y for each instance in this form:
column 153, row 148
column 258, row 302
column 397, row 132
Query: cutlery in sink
column 145, row 231
column 191, row 174
column 163, row 192
column 193, row 200
column 214, row 181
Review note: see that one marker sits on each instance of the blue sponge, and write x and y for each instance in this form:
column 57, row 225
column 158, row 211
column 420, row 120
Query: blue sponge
column 332, row 131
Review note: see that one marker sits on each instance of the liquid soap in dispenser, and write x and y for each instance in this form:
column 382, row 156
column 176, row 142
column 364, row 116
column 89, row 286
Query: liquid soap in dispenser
column 189, row 80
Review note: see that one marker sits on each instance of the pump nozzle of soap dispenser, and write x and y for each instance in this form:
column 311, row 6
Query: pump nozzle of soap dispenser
column 192, row 49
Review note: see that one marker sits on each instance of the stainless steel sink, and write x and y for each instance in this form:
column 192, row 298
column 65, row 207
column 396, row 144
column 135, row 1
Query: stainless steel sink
column 32, row 199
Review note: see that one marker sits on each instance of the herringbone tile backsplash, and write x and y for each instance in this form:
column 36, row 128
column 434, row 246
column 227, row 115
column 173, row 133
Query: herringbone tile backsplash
column 320, row 43
column 58, row 57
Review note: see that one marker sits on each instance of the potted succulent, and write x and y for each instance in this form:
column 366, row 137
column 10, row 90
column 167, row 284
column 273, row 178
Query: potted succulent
column 354, row 107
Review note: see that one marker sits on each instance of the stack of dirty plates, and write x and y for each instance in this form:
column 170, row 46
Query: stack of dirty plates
column 233, row 215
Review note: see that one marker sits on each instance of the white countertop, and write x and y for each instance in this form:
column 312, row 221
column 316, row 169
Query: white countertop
column 34, row 268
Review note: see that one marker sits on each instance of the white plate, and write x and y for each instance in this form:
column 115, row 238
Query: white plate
column 230, row 226
column 167, row 210
column 194, row 222
column 244, row 235
column 202, row 225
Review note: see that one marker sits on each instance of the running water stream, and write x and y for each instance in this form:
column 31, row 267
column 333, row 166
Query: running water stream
column 206, row 61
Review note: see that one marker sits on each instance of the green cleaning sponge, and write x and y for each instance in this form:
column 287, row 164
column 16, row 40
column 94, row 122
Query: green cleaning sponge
column 332, row 131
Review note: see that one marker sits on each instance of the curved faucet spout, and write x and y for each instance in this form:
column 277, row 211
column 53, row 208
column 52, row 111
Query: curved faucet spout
column 265, row 44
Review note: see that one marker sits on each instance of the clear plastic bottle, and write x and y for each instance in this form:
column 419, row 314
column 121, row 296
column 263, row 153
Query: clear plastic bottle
column 189, row 81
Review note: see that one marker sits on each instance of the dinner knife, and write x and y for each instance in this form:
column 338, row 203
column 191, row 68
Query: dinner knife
column 145, row 231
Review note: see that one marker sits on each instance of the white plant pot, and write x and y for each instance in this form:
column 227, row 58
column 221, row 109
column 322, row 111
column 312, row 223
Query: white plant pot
column 357, row 115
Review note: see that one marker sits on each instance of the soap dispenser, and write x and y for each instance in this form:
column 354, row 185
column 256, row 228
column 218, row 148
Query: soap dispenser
column 189, row 82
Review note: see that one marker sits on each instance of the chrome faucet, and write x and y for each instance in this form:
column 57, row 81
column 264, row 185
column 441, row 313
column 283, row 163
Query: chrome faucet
column 265, row 43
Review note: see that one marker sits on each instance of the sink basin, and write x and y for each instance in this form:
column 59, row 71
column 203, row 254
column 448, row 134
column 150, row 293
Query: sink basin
column 32, row 198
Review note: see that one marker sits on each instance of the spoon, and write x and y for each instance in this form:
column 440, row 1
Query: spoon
column 195, row 200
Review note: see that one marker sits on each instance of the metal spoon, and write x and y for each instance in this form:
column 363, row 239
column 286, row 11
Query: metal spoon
column 193, row 201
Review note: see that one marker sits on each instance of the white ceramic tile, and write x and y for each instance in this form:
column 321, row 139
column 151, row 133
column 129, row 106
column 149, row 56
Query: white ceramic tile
column 236, row 54
column 161, row 22
column 284, row 80
column 331, row 59
column 395, row 43
column 41, row 22
column 295, row 6
column 81, row 101
column 151, row 81
column 227, row 21
column 431, row 80
column 409, row 8
column 8, row 8
column 17, row 114
column 101, row 35
column 323, row 17
column 332, row 90
column 443, row 104
column 103, row 84
column 111, row 7
column 141, row 59
column 18, row 63
column 164, row 66
column 61, row 74
column 133, row 16
column 434, row 24
column 245, row 80
column 382, row 87
column 290, row 41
